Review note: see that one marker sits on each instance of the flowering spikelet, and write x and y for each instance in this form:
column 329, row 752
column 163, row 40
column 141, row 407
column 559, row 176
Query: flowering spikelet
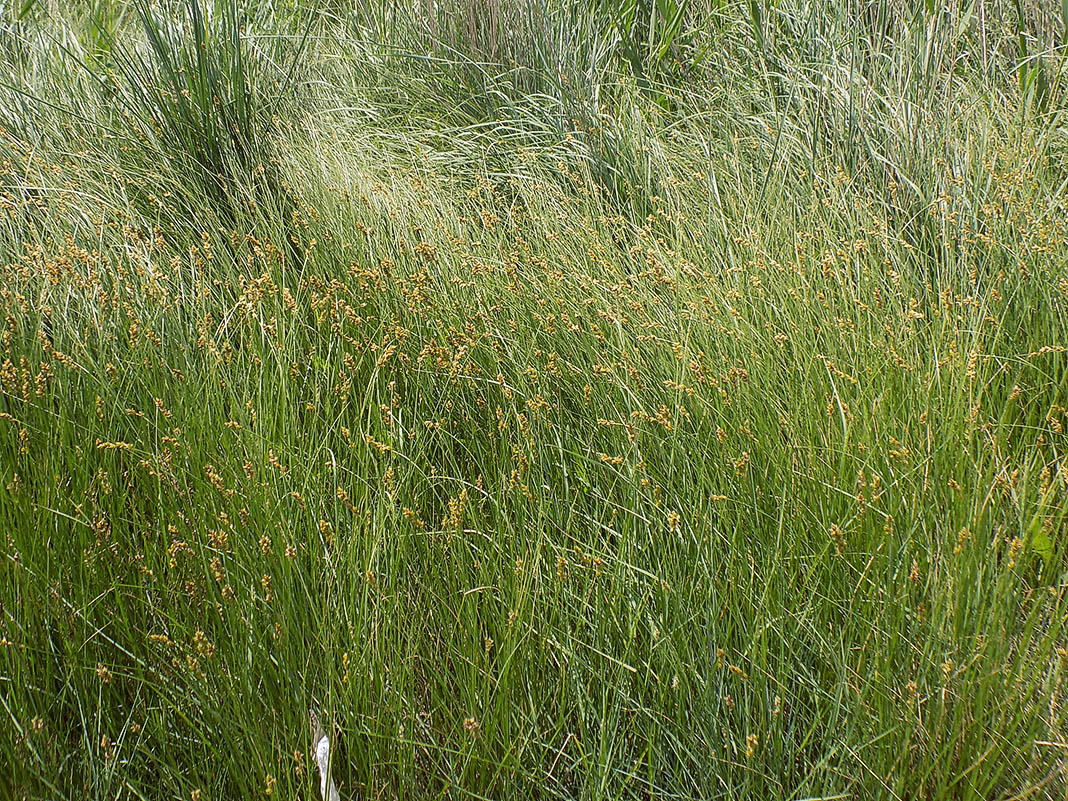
column 838, row 536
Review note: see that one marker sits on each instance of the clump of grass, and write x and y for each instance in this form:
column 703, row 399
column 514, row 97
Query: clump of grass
column 206, row 98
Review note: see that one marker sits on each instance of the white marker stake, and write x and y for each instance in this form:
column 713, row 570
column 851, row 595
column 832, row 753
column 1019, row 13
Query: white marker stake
column 321, row 743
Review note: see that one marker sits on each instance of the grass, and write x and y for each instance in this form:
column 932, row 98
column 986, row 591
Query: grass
column 589, row 401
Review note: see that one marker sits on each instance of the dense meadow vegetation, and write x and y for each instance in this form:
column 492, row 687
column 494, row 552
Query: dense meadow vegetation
column 582, row 400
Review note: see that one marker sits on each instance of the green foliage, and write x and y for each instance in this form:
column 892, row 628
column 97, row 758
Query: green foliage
column 652, row 33
column 204, row 96
column 195, row 85
column 590, row 401
column 106, row 19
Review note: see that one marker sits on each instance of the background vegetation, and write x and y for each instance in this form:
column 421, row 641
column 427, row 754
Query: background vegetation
column 587, row 400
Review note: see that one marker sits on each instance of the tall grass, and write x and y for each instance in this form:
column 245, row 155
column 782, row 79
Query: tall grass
column 207, row 97
column 552, row 426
